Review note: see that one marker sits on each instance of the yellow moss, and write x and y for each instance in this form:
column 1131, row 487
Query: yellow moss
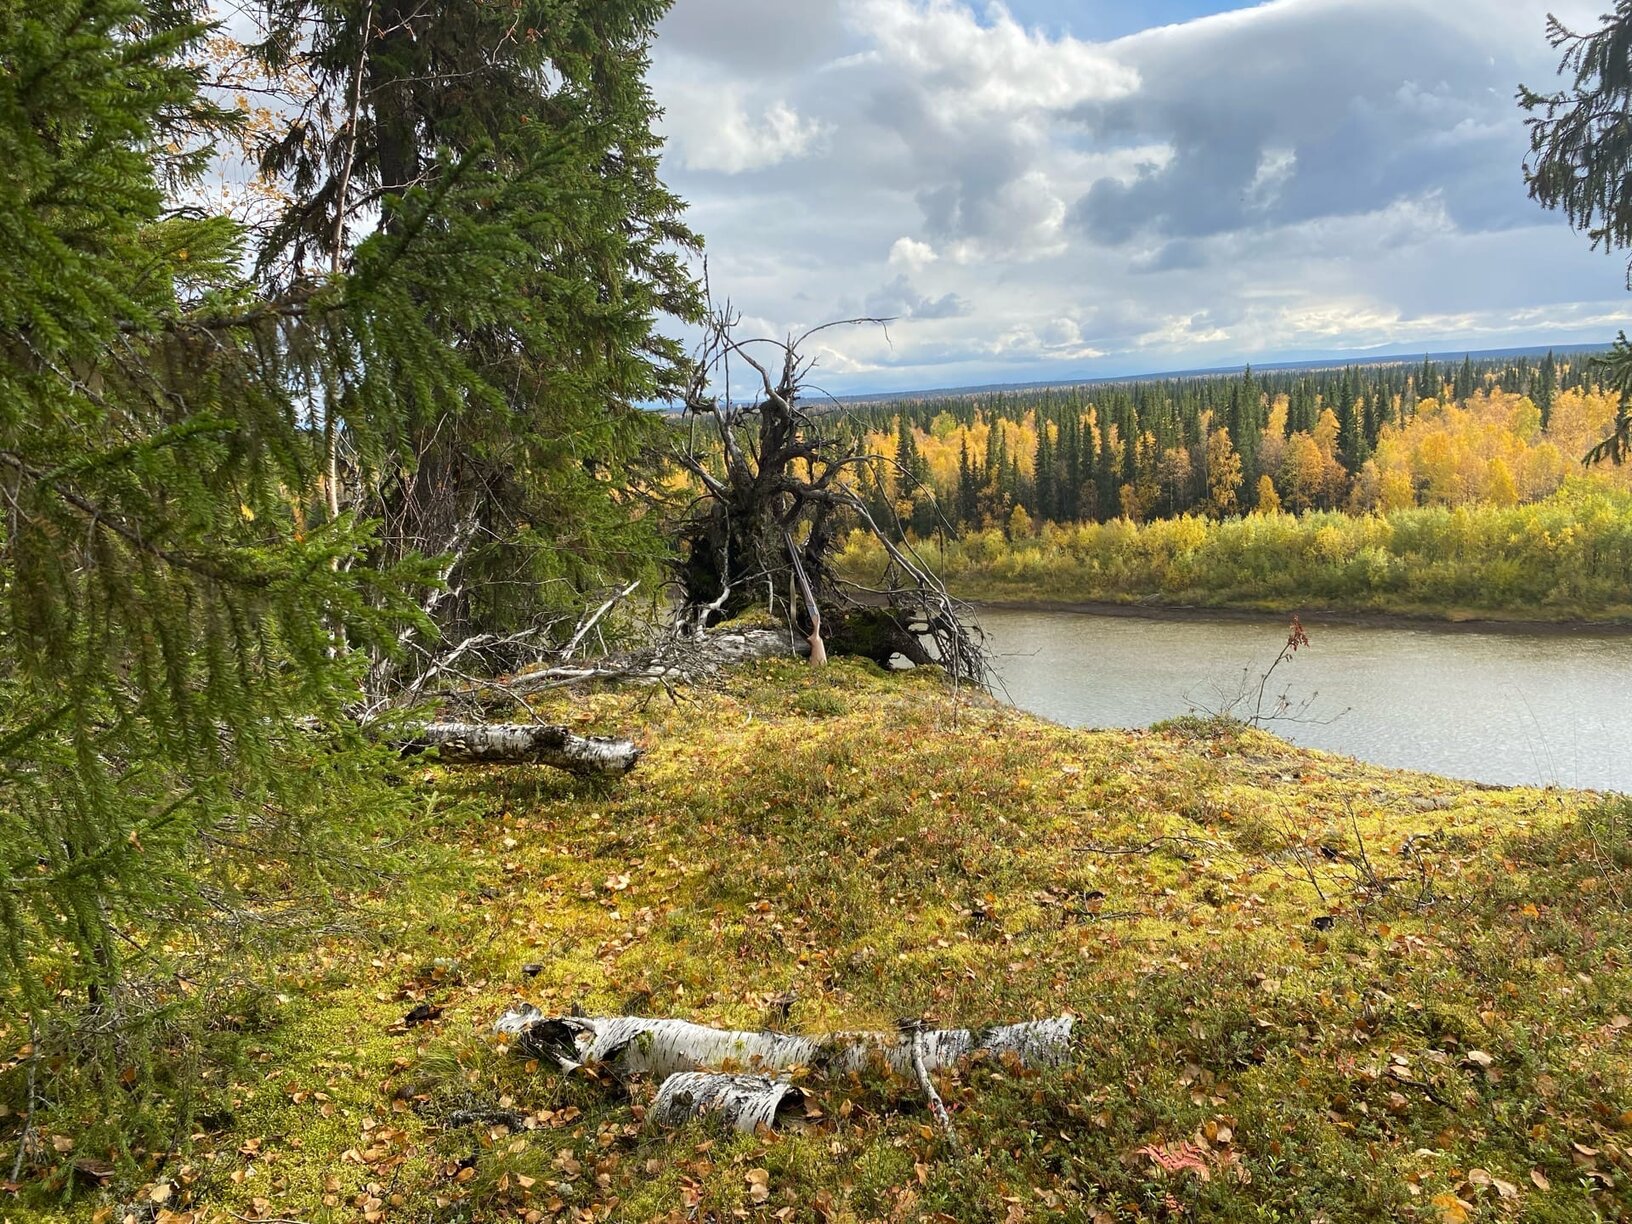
column 1249, row 932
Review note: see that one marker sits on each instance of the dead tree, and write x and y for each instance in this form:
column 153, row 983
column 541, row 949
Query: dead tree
column 744, row 1077
column 777, row 488
column 521, row 744
column 639, row 1045
column 459, row 674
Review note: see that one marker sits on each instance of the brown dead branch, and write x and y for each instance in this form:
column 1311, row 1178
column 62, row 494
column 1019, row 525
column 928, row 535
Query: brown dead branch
column 778, row 488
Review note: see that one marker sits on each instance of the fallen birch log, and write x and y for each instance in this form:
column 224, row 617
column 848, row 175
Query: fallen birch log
column 522, row 744
column 742, row 1102
column 636, row 1046
column 678, row 659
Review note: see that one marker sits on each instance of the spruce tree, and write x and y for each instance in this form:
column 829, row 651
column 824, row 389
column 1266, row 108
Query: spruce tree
column 1581, row 162
column 1247, row 421
column 1466, row 383
column 1076, row 464
column 536, row 117
column 993, row 460
column 1351, row 437
column 909, row 466
column 1547, row 389
column 1045, row 503
column 182, row 600
column 1304, row 409
column 172, row 610
column 1429, row 385
column 968, row 515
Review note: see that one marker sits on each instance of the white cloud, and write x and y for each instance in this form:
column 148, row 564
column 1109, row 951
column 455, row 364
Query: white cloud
column 711, row 128
column 912, row 254
column 1300, row 176
column 969, row 68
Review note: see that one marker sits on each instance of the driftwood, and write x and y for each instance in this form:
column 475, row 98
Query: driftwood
column 637, row 1046
column 742, row 1102
column 522, row 744
column 679, row 658
column 813, row 610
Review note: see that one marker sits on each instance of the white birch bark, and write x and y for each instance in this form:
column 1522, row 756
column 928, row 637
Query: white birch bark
column 523, row 744
column 638, row 1046
column 743, row 1102
column 912, row 1031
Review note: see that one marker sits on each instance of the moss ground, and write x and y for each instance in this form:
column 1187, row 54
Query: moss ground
column 1306, row 989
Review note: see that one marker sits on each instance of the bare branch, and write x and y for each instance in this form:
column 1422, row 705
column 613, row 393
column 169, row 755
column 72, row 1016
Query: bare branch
column 792, row 484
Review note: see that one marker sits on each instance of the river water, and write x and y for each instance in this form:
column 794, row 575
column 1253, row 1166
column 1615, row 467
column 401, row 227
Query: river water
column 1515, row 707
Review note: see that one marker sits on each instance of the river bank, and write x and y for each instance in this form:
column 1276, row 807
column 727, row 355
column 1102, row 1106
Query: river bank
column 1565, row 560
column 1446, row 621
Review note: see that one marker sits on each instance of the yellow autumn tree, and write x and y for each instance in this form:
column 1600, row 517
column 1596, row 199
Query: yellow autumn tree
column 1269, row 501
column 1303, row 472
column 1223, row 473
column 1500, row 488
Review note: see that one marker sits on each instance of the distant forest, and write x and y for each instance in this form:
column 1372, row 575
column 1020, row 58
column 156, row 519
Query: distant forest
column 1384, row 437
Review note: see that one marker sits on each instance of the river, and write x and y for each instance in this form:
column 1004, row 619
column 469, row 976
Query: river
column 1512, row 707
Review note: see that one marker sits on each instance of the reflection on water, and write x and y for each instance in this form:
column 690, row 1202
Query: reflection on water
column 1511, row 707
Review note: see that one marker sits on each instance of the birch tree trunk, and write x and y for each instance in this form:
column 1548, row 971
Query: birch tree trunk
column 523, row 744
column 743, row 1102
column 637, row 1046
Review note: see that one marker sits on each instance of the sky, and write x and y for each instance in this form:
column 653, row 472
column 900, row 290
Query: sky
column 1059, row 189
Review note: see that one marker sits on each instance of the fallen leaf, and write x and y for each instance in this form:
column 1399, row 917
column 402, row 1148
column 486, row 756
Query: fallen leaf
column 1178, row 1158
column 759, row 1184
column 1452, row 1210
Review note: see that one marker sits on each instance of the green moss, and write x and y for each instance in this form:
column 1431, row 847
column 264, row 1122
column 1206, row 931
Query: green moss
column 1349, row 988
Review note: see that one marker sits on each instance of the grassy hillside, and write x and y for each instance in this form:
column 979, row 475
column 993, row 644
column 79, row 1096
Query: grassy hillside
column 1330, row 991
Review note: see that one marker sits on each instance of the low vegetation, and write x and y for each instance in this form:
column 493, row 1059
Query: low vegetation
column 1566, row 558
column 1305, row 988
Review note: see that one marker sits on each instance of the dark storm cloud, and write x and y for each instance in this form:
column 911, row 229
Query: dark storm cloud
column 1321, row 108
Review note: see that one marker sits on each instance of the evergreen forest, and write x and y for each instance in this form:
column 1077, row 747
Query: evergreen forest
column 1357, row 438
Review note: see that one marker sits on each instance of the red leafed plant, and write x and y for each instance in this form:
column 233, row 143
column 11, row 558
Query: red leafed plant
column 1178, row 1158
column 1295, row 636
